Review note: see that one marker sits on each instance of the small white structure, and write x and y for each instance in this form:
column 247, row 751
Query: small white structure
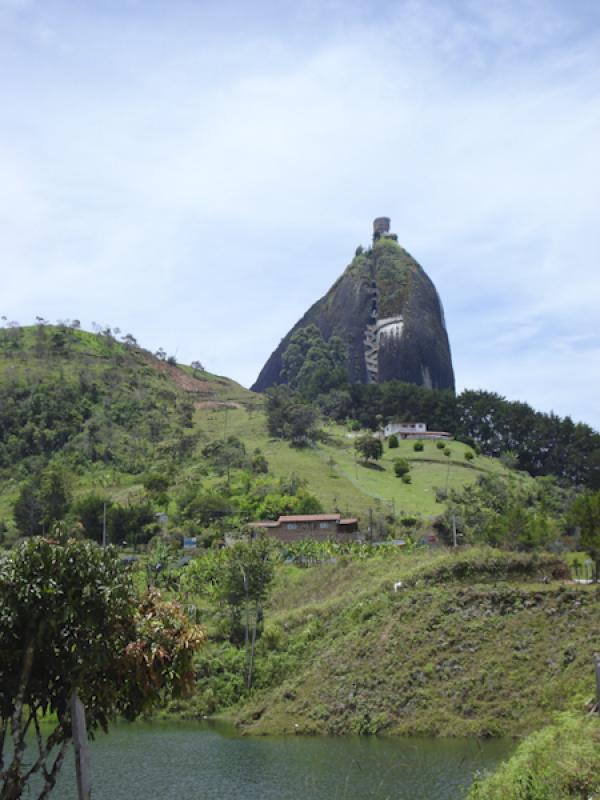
column 413, row 430
column 389, row 326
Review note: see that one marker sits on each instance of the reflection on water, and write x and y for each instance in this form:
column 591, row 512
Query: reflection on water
column 184, row 761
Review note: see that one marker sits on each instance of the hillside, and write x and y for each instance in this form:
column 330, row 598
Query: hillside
column 482, row 643
column 109, row 412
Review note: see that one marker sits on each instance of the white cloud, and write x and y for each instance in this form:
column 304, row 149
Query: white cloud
column 203, row 187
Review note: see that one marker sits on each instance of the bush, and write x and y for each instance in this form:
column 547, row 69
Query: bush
column 401, row 467
column 259, row 463
column 409, row 522
column 418, row 447
column 406, row 478
column 447, row 452
column 469, row 455
column 557, row 762
column 440, row 444
column 393, row 441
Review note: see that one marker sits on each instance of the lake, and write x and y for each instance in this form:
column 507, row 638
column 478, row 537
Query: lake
column 186, row 760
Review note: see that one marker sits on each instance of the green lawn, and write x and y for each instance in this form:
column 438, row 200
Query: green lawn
column 332, row 472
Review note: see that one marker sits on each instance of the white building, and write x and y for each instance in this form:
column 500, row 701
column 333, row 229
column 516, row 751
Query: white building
column 413, row 430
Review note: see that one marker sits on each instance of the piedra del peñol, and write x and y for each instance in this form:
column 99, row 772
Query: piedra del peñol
column 388, row 314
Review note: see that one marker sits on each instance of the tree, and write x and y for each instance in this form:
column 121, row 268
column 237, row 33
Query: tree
column 27, row 509
column 226, row 455
column 70, row 622
column 585, row 516
column 238, row 578
column 156, row 486
column 369, row 447
column 89, row 512
column 312, row 365
column 259, row 463
column 55, row 495
column 247, row 579
column 289, row 417
column 42, row 501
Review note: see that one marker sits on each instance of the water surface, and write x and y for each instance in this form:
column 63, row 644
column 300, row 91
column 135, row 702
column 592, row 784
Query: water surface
column 185, row 761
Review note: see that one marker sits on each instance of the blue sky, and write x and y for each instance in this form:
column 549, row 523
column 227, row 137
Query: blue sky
column 198, row 174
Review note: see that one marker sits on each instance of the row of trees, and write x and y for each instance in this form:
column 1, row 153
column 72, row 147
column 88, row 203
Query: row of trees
column 539, row 443
column 47, row 498
column 522, row 515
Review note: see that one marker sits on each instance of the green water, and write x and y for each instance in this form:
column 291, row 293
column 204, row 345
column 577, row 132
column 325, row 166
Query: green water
column 185, row 761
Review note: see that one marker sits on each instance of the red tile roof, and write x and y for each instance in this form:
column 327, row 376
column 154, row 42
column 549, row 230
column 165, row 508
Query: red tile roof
column 310, row 518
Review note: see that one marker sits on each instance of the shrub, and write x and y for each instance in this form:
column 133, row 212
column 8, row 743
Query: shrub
column 447, row 452
column 401, row 467
column 409, row 522
column 259, row 463
column 418, row 447
column 469, row 455
column 406, row 478
column 393, row 441
column 557, row 762
column 440, row 444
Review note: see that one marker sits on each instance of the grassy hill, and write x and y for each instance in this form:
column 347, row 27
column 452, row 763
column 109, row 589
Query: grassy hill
column 111, row 412
column 476, row 643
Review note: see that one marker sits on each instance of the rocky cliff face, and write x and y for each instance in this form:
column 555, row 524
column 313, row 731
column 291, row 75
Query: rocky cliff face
column 388, row 313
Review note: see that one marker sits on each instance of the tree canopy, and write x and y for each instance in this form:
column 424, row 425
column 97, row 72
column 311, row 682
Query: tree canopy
column 313, row 365
column 70, row 621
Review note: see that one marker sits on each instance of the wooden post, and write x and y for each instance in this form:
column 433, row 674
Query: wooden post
column 597, row 664
column 454, row 542
column 82, row 753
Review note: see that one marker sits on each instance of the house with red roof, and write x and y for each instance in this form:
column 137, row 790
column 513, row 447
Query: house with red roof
column 292, row 528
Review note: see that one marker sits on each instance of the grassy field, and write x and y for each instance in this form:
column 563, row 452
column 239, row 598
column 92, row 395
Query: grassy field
column 333, row 473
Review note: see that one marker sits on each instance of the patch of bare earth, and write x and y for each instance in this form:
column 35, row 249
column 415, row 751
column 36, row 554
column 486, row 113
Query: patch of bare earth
column 180, row 378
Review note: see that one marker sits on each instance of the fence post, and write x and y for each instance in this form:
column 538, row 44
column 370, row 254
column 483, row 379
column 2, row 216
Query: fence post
column 82, row 753
column 597, row 670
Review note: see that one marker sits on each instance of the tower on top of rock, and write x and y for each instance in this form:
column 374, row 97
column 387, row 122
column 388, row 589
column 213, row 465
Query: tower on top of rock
column 381, row 229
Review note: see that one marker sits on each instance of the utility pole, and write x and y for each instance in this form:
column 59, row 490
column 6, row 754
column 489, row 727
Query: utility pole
column 454, row 528
column 104, row 525
column 82, row 753
column 597, row 666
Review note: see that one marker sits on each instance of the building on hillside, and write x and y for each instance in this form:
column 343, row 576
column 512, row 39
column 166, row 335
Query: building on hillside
column 292, row 528
column 413, row 430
